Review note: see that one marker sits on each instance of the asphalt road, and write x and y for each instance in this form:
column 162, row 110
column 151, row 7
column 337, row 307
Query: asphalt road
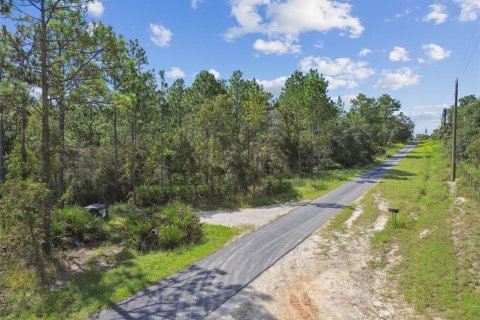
column 204, row 286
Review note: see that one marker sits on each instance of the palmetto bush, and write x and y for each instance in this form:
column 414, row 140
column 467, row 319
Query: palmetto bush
column 75, row 224
column 175, row 225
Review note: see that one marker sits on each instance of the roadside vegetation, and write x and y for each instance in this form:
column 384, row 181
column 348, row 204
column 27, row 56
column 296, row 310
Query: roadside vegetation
column 431, row 253
column 468, row 135
column 78, row 282
column 302, row 186
column 84, row 119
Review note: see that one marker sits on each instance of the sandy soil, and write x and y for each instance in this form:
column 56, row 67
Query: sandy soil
column 325, row 277
column 256, row 217
column 77, row 260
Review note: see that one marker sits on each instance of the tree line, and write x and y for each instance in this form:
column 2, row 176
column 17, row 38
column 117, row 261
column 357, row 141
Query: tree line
column 468, row 130
column 83, row 118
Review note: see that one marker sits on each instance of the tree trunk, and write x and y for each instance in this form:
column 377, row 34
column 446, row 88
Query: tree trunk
column 24, row 144
column 115, row 152
column 45, row 151
column 2, row 172
column 61, row 125
column 2, row 147
column 134, row 152
column 298, row 146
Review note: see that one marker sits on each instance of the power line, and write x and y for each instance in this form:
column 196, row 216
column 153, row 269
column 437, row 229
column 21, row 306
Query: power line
column 474, row 30
column 471, row 55
column 467, row 49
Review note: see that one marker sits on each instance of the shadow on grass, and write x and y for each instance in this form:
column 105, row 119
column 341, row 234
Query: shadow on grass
column 192, row 293
column 395, row 174
column 94, row 287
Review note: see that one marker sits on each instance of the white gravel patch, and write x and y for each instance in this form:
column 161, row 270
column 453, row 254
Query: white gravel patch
column 256, row 217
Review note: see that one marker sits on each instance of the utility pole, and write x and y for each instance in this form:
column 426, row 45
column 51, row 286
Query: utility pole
column 454, row 135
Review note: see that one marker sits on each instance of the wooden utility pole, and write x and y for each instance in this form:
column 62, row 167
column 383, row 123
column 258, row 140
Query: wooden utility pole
column 454, row 135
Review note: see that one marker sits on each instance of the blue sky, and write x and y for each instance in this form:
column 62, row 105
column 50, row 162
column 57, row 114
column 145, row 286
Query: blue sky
column 410, row 49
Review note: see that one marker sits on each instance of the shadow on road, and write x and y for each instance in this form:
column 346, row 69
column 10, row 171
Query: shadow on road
column 190, row 294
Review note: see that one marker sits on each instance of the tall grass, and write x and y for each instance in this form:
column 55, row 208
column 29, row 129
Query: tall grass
column 437, row 273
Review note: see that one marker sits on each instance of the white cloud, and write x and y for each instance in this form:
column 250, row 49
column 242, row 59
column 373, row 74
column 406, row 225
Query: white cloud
column 421, row 60
column 215, row 73
column 438, row 14
column 175, row 73
column 427, row 110
column 435, row 52
column 194, row 3
column 364, row 52
column 425, row 116
column 347, row 100
column 160, row 35
column 276, row 47
column 319, row 45
column 400, row 78
column 95, row 8
column 341, row 72
column 273, row 86
column 399, row 54
column 470, row 9
column 288, row 19
column 403, row 14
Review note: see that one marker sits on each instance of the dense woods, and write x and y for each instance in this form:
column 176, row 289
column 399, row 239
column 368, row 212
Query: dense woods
column 84, row 119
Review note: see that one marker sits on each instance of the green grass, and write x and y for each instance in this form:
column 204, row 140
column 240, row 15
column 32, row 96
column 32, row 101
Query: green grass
column 305, row 187
column 92, row 290
column 438, row 276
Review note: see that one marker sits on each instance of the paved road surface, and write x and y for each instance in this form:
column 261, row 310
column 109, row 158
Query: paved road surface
column 201, row 288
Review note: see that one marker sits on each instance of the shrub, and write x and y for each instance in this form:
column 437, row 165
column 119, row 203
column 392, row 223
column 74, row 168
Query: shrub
column 171, row 237
column 174, row 226
column 274, row 186
column 154, row 195
column 22, row 209
column 141, row 234
column 75, row 224
column 182, row 216
column 326, row 164
column 473, row 152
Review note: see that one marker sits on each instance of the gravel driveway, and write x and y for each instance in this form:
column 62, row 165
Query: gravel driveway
column 256, row 217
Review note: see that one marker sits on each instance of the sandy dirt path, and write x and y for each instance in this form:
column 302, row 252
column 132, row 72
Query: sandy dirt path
column 256, row 217
column 325, row 277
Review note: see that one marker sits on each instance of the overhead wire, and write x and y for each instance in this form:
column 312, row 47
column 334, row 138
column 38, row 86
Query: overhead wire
column 470, row 53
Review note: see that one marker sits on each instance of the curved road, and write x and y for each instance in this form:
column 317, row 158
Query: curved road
column 204, row 286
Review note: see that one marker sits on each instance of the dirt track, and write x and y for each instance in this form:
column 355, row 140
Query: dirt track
column 326, row 277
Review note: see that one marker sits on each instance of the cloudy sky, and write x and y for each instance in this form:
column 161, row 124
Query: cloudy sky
column 411, row 49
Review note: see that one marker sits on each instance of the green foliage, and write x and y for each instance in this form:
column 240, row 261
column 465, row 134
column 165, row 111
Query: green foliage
column 104, row 126
column 171, row 236
column 468, row 130
column 141, row 233
column 174, row 226
column 22, row 217
column 92, row 289
column 154, row 195
column 350, row 146
column 75, row 224
column 438, row 237
column 17, row 168
column 473, row 151
column 274, row 185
